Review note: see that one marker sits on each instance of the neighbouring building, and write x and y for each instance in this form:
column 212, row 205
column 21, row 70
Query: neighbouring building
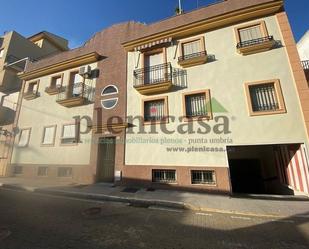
column 15, row 52
column 215, row 100
column 66, row 102
column 303, row 50
column 223, row 100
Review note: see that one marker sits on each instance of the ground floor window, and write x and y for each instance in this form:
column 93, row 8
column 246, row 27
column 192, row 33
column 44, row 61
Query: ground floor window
column 18, row 170
column 203, row 177
column 164, row 176
column 42, row 171
column 64, row 172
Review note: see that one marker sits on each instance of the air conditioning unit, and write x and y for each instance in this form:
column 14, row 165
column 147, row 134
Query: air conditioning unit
column 85, row 71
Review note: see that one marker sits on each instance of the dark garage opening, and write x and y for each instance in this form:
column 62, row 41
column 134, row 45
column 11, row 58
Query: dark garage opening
column 253, row 170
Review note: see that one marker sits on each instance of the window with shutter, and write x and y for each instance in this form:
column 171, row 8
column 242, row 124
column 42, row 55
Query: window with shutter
column 70, row 134
column 24, row 137
column 250, row 33
column 193, row 47
column 49, row 135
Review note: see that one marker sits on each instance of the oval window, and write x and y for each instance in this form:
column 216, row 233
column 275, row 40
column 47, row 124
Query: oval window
column 109, row 103
column 108, row 90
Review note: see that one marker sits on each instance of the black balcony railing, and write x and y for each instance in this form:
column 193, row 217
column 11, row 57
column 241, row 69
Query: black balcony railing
column 305, row 65
column 153, row 75
column 191, row 56
column 253, row 42
column 78, row 90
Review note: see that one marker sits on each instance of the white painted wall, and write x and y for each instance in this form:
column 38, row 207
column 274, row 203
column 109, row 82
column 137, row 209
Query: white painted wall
column 44, row 111
column 303, row 47
column 225, row 78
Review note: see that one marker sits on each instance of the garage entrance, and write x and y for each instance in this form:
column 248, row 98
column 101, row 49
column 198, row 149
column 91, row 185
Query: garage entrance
column 269, row 169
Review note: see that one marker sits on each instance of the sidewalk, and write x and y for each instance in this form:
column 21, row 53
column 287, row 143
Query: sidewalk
column 272, row 206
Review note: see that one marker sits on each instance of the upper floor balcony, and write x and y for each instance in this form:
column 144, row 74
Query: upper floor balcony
column 153, row 79
column 76, row 94
column 256, row 45
column 192, row 59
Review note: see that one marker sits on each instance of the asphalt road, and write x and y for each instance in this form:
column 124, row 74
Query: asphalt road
column 32, row 221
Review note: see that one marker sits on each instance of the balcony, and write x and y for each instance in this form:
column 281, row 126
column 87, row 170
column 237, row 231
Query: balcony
column 75, row 95
column 7, row 116
column 29, row 95
column 256, row 45
column 53, row 90
column 194, row 59
column 154, row 79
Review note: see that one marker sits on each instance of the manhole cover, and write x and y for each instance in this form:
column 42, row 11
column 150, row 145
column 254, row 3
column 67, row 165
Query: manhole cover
column 130, row 190
column 92, row 212
column 4, row 233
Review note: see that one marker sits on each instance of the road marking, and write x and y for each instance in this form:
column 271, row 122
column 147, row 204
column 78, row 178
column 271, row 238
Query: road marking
column 203, row 214
column 165, row 209
column 241, row 218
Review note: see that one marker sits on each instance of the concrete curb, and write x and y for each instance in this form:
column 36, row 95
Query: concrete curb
column 135, row 201
column 102, row 197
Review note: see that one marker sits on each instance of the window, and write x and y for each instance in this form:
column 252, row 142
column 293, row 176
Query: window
column 70, row 134
column 109, row 90
column 49, row 133
column 203, row 177
column 164, row 176
column 265, row 97
column 109, row 103
column 76, row 82
column 42, row 171
column 32, row 87
column 64, row 172
column 155, row 110
column 24, row 137
column 192, row 52
column 253, row 38
column 56, row 81
column 1, row 52
column 197, row 105
column 18, row 170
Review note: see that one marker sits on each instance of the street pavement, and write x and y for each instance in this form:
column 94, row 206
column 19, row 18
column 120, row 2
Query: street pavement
column 33, row 220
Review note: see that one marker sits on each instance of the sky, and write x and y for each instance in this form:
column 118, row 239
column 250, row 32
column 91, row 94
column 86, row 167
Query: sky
column 78, row 20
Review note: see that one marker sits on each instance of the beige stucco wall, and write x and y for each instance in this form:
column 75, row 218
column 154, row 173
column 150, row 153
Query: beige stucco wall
column 44, row 111
column 225, row 78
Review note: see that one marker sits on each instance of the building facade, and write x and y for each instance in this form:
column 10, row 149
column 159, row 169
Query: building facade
column 15, row 52
column 218, row 111
column 213, row 100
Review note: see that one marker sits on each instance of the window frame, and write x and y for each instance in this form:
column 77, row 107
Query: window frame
column 261, row 24
column 108, row 94
column 163, row 182
column 214, row 184
column 109, row 108
column 192, row 39
column 47, row 171
column 58, row 170
column 148, row 52
column 207, row 95
column 54, row 137
column 35, row 83
column 77, row 138
column 52, row 78
column 279, row 94
column 166, row 114
column 28, row 139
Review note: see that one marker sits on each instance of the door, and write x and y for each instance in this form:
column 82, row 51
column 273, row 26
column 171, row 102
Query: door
column 106, row 159
column 153, row 71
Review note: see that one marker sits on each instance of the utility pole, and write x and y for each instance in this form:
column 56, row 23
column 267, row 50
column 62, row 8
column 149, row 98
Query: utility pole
column 180, row 7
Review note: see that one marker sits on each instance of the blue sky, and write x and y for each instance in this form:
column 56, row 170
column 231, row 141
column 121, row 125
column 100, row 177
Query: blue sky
column 78, row 20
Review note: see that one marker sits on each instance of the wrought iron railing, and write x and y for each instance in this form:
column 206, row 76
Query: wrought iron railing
column 30, row 93
column 153, row 75
column 78, row 90
column 191, row 56
column 305, row 64
column 253, row 42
